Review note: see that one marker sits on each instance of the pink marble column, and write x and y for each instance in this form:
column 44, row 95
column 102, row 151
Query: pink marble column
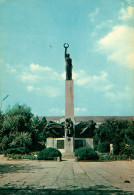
column 69, row 99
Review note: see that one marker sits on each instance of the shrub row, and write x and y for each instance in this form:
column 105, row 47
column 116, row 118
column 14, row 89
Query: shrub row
column 21, row 150
column 128, row 151
column 113, row 157
column 20, row 156
column 49, row 154
column 86, row 153
column 46, row 154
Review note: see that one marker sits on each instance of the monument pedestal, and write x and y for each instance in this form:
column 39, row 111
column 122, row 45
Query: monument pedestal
column 69, row 113
column 69, row 145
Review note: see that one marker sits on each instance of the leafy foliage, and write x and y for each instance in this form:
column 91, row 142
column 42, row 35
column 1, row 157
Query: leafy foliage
column 103, row 147
column 86, row 153
column 1, row 120
column 21, row 156
column 16, row 128
column 38, row 133
column 18, row 119
column 117, row 132
column 22, row 139
column 49, row 154
column 128, row 151
column 113, row 157
column 21, row 150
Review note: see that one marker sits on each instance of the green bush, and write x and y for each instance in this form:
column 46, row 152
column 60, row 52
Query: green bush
column 86, row 153
column 49, row 154
column 128, row 151
column 103, row 147
column 113, row 157
column 95, row 142
column 95, row 147
column 21, row 150
column 20, row 156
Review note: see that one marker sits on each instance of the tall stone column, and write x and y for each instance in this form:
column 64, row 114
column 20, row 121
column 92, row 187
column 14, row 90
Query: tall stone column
column 69, row 100
column 69, row 113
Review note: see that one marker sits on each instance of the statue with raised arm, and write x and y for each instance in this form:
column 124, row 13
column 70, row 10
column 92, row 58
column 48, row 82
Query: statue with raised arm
column 68, row 63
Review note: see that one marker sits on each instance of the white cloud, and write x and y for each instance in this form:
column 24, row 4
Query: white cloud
column 83, row 79
column 32, row 88
column 104, row 25
column 93, row 14
column 80, row 110
column 45, row 81
column 126, row 14
column 126, row 93
column 119, row 45
column 37, row 67
column 107, row 87
column 29, row 77
column 37, row 73
column 42, row 80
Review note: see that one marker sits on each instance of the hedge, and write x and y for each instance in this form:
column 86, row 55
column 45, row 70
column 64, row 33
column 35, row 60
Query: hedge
column 86, row 153
column 49, row 154
column 21, row 150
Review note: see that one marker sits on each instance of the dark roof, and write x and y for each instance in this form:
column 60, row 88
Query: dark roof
column 51, row 118
column 94, row 118
column 102, row 118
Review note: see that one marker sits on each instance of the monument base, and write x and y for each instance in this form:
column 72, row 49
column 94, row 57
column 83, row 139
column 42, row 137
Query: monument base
column 69, row 144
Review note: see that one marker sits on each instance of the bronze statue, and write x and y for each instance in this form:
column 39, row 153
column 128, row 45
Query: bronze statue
column 68, row 63
column 69, row 127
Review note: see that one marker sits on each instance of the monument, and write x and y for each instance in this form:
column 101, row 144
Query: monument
column 62, row 136
column 69, row 104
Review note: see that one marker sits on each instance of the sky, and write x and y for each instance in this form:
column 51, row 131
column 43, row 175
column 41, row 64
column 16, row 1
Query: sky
column 100, row 34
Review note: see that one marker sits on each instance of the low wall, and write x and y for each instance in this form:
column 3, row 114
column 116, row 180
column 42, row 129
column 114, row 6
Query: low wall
column 59, row 143
column 53, row 142
column 87, row 142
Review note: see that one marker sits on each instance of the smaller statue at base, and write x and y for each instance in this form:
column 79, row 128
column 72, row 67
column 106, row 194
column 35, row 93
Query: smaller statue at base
column 111, row 149
column 69, row 127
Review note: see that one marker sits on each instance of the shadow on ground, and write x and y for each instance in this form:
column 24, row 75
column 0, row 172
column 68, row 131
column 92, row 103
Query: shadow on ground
column 14, row 168
column 99, row 190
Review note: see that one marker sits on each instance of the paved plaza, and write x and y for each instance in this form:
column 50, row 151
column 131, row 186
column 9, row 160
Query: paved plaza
column 66, row 177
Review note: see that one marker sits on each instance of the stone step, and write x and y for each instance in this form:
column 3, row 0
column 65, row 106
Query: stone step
column 68, row 155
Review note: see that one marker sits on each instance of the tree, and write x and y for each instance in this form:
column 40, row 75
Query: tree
column 114, row 131
column 38, row 131
column 129, row 134
column 16, row 128
column 1, row 125
column 22, row 139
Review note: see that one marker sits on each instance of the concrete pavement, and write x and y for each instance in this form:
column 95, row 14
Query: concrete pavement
column 66, row 177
